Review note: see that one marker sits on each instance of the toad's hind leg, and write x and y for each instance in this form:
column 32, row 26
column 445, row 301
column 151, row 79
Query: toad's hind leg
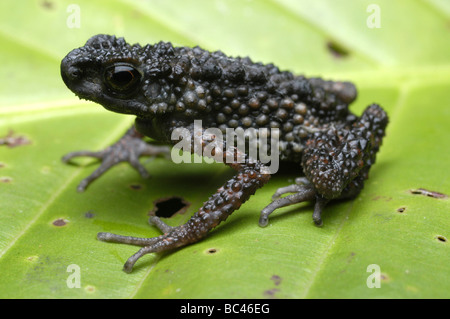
column 216, row 209
column 336, row 161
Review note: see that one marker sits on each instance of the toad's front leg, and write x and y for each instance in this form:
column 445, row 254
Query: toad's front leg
column 216, row 209
column 128, row 148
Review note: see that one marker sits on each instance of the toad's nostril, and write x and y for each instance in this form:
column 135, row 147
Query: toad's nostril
column 70, row 73
column 74, row 73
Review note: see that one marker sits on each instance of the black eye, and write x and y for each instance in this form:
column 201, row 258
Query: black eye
column 122, row 78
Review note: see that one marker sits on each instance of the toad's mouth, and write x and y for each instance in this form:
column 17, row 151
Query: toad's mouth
column 152, row 127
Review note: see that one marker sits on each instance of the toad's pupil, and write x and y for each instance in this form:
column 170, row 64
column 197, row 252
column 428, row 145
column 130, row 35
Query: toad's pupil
column 122, row 75
column 122, row 79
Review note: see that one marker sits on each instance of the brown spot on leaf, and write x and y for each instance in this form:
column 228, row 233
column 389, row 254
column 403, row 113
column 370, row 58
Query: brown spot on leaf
column 425, row 192
column 90, row 289
column 47, row 5
column 89, row 214
column 136, row 186
column 5, row 179
column 276, row 279
column 12, row 140
column 270, row 293
column 384, row 277
column 59, row 222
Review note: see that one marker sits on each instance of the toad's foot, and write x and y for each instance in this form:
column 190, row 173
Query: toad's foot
column 128, row 149
column 172, row 237
column 302, row 193
column 300, row 182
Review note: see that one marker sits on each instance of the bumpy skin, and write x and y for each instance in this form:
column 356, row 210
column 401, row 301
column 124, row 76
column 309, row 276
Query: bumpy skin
column 169, row 87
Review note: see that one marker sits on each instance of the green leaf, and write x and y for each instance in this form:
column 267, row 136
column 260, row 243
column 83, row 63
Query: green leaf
column 46, row 226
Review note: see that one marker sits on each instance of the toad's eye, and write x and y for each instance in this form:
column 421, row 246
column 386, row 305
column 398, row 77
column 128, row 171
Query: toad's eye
column 122, row 78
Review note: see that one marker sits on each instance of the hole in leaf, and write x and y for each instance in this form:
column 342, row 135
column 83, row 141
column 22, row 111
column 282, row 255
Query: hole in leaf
column 401, row 209
column 337, row 50
column 441, row 238
column 211, row 251
column 167, row 207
